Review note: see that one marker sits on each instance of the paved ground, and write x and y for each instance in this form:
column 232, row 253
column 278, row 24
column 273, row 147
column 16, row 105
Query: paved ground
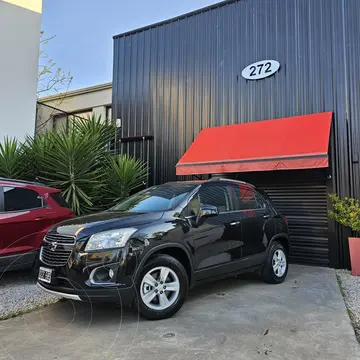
column 304, row 318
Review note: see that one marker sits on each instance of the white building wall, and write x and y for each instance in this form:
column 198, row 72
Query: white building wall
column 20, row 22
column 54, row 110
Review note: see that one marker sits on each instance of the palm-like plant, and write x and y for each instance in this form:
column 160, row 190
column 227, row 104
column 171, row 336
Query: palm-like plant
column 72, row 161
column 123, row 175
column 94, row 126
column 11, row 159
column 77, row 162
column 73, row 164
column 35, row 150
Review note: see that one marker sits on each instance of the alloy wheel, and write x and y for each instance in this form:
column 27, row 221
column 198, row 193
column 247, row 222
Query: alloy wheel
column 279, row 263
column 160, row 288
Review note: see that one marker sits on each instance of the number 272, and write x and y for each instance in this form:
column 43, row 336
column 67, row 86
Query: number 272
column 260, row 67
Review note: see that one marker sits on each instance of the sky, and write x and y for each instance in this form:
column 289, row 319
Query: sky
column 84, row 29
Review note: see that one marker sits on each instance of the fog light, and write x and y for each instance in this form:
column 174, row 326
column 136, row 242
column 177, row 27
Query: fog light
column 111, row 273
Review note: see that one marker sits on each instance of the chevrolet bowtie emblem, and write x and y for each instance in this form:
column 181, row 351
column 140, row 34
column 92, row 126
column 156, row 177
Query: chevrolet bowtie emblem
column 53, row 246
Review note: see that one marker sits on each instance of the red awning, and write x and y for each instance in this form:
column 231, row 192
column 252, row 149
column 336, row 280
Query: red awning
column 299, row 142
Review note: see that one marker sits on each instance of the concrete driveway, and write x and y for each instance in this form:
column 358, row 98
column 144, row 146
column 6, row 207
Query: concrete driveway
column 243, row 318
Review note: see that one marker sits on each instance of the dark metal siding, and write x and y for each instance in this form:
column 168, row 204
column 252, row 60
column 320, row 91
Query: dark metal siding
column 172, row 80
column 301, row 196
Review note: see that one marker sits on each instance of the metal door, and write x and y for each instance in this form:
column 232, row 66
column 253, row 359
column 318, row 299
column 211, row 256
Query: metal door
column 301, row 196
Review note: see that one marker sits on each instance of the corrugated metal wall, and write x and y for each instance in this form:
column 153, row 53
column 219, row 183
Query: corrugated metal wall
column 176, row 78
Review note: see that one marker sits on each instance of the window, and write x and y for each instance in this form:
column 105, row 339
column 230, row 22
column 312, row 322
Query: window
column 157, row 198
column 64, row 121
column 59, row 200
column 108, row 113
column 193, row 207
column 82, row 114
column 216, row 195
column 79, row 116
column 248, row 199
column 59, row 122
column 261, row 204
column 18, row 199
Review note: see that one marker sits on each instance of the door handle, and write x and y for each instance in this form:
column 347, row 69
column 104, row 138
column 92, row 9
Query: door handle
column 266, row 216
column 234, row 223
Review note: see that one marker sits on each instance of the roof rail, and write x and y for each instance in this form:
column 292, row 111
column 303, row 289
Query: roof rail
column 218, row 178
column 241, row 182
column 23, row 182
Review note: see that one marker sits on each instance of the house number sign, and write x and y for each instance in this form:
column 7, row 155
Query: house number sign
column 260, row 70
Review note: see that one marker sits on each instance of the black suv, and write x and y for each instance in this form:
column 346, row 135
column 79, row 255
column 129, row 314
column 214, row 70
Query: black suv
column 150, row 248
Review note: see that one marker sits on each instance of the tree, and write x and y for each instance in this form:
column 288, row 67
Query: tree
column 51, row 79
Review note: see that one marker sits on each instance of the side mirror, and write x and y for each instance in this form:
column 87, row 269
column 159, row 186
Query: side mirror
column 207, row 211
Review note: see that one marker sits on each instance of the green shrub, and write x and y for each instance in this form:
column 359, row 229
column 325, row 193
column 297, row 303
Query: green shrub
column 73, row 164
column 123, row 175
column 95, row 127
column 12, row 163
column 77, row 162
column 35, row 150
column 346, row 212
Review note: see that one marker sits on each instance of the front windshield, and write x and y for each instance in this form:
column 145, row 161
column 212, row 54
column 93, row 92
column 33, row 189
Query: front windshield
column 157, row 198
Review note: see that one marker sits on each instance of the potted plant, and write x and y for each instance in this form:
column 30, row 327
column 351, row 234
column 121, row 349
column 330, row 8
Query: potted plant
column 347, row 212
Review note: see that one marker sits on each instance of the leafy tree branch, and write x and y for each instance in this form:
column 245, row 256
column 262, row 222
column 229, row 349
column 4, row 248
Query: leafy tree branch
column 51, row 78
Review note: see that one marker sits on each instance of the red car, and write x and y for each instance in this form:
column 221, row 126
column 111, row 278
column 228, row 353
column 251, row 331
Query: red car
column 27, row 211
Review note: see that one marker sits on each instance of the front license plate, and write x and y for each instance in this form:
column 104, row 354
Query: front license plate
column 45, row 275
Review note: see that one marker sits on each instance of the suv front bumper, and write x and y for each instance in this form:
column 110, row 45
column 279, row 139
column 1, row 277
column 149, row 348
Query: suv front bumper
column 85, row 277
column 122, row 296
column 60, row 294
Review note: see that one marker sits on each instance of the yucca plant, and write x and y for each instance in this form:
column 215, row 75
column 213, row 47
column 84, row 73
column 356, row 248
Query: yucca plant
column 78, row 163
column 72, row 161
column 73, row 164
column 95, row 127
column 12, row 163
column 123, row 176
column 35, row 149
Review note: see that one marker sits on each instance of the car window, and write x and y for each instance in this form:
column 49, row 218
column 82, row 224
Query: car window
column 266, row 199
column 18, row 199
column 247, row 198
column 157, row 198
column 59, row 200
column 216, row 195
column 260, row 201
column 193, row 206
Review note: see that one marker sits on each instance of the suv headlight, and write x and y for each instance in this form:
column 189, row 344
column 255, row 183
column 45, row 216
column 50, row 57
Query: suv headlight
column 110, row 239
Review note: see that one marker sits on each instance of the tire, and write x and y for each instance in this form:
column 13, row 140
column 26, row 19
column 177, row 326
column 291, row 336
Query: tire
column 269, row 274
column 150, row 303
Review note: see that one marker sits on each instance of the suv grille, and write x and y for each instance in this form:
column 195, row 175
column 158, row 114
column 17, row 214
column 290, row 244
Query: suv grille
column 60, row 239
column 55, row 257
column 57, row 250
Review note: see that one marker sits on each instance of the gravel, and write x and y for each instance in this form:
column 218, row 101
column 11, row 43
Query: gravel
column 350, row 289
column 19, row 294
